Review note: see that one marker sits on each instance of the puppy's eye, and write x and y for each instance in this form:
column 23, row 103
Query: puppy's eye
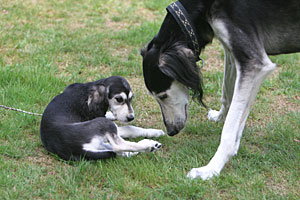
column 119, row 99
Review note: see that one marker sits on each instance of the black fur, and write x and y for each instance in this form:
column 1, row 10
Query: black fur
column 75, row 116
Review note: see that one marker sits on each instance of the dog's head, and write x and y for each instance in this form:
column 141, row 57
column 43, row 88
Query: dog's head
column 169, row 66
column 170, row 73
column 113, row 93
column 119, row 96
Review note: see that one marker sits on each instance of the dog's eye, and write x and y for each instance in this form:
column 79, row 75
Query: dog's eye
column 119, row 99
column 162, row 97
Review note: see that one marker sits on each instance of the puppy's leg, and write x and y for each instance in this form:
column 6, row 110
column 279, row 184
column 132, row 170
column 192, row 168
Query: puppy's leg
column 121, row 145
column 227, row 90
column 127, row 154
column 246, row 87
column 133, row 132
column 98, row 147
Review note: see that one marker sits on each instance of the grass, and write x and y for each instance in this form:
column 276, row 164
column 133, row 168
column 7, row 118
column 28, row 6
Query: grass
column 46, row 45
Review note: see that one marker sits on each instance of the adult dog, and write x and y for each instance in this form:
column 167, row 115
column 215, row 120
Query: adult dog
column 74, row 126
column 249, row 31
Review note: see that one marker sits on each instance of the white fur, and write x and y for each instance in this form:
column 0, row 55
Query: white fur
column 174, row 106
column 110, row 115
column 221, row 32
column 121, row 111
column 133, row 132
column 97, row 144
column 130, row 95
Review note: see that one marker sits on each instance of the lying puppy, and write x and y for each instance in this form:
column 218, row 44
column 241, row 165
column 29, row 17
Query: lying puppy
column 74, row 126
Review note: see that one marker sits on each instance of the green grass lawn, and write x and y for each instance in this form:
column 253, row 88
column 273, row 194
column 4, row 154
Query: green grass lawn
column 47, row 44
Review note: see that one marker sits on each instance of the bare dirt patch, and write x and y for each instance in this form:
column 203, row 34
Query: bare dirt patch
column 213, row 59
column 41, row 159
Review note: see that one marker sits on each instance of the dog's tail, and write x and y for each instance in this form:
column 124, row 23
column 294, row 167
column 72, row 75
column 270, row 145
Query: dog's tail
column 90, row 155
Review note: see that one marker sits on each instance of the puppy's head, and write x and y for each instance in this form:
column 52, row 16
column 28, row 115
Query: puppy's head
column 119, row 96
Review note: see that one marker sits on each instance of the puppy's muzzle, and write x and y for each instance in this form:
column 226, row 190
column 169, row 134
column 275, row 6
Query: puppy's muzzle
column 130, row 118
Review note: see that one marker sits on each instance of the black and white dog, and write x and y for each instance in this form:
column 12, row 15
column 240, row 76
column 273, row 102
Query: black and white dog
column 74, row 126
column 249, row 31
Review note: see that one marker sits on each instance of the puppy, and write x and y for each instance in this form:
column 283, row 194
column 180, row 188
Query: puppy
column 74, row 125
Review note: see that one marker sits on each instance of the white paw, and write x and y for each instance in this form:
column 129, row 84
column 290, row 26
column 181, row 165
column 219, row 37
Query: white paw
column 214, row 115
column 110, row 115
column 204, row 173
column 153, row 133
column 127, row 154
column 150, row 145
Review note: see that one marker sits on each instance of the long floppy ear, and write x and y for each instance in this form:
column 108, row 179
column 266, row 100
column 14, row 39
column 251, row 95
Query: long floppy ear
column 147, row 48
column 178, row 62
column 97, row 95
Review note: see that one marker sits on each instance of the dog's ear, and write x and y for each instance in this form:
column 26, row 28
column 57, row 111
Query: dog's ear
column 178, row 62
column 96, row 96
column 145, row 50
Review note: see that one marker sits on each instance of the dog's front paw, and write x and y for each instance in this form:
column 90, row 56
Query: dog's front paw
column 214, row 115
column 153, row 133
column 204, row 173
column 150, row 145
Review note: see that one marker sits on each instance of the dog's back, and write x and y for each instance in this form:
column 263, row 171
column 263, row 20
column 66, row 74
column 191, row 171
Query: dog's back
column 68, row 122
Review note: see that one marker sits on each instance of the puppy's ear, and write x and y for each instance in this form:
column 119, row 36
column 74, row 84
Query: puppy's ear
column 97, row 96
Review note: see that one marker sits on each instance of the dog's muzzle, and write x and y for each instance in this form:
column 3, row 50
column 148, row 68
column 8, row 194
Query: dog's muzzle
column 174, row 129
column 177, row 125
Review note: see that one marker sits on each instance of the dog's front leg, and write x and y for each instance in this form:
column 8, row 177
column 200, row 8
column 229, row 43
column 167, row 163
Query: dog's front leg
column 121, row 145
column 246, row 88
column 227, row 89
column 133, row 132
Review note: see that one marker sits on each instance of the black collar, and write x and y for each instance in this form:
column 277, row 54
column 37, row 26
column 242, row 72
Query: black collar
column 182, row 18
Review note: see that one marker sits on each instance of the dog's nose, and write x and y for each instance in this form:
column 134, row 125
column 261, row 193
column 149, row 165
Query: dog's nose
column 172, row 132
column 130, row 118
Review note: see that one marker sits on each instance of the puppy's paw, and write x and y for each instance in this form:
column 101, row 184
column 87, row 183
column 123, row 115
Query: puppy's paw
column 127, row 154
column 214, row 115
column 204, row 173
column 150, row 145
column 110, row 115
column 153, row 133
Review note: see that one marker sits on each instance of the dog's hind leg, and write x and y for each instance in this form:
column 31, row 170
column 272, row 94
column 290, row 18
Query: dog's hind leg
column 134, row 132
column 227, row 89
column 249, row 78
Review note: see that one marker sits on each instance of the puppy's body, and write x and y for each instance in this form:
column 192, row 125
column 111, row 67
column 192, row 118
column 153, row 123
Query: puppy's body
column 74, row 126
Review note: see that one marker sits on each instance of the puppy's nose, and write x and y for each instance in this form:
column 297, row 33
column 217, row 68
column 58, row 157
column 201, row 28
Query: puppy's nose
column 130, row 118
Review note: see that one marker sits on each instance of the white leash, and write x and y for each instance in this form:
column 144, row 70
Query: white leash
column 19, row 110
